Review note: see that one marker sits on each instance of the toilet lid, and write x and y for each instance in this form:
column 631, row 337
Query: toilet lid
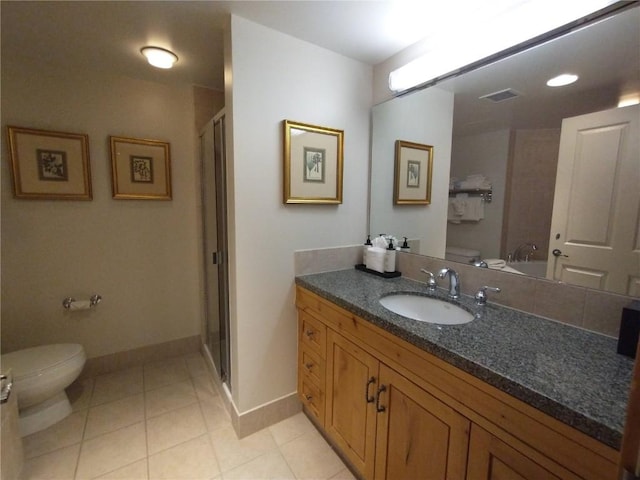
column 32, row 361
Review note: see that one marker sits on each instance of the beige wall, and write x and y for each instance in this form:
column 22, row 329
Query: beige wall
column 426, row 117
column 273, row 77
column 141, row 256
column 486, row 154
column 206, row 103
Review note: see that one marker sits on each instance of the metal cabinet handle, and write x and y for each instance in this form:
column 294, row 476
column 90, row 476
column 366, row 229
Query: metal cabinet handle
column 308, row 366
column 310, row 333
column 366, row 391
column 380, row 408
column 5, row 390
column 308, row 397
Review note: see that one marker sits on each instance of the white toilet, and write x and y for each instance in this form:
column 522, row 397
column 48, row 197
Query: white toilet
column 40, row 375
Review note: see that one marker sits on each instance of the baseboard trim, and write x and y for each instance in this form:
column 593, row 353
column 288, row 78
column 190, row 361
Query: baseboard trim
column 258, row 418
column 139, row 356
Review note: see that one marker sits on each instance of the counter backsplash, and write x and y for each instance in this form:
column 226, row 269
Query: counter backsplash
column 582, row 307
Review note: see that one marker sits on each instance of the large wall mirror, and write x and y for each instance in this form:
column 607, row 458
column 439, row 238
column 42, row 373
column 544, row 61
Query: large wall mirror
column 504, row 123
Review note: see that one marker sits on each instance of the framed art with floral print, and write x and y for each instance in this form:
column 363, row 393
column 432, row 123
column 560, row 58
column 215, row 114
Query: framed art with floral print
column 49, row 165
column 413, row 167
column 312, row 163
column 140, row 169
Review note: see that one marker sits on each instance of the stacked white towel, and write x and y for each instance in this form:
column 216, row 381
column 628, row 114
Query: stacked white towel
column 471, row 182
column 375, row 259
column 463, row 208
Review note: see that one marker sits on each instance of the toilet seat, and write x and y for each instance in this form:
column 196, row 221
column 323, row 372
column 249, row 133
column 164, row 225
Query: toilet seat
column 40, row 375
column 35, row 361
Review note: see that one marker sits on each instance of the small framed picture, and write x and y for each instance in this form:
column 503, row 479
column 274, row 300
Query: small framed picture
column 49, row 165
column 140, row 169
column 312, row 163
column 413, row 167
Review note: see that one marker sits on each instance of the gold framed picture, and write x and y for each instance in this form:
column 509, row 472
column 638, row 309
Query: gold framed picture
column 313, row 159
column 413, row 168
column 140, row 169
column 48, row 165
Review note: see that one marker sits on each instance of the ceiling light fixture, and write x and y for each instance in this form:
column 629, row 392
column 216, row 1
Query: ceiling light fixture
column 493, row 32
column 159, row 57
column 562, row 80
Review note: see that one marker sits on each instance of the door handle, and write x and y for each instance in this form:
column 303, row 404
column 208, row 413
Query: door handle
column 366, row 391
column 558, row 253
column 380, row 408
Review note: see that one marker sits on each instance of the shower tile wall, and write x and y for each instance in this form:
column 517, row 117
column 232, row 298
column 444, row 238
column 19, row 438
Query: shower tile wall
column 533, row 163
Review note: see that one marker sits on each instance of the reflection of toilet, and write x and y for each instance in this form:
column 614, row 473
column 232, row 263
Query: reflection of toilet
column 462, row 255
column 40, row 375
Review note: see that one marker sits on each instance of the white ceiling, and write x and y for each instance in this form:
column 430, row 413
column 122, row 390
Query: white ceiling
column 108, row 35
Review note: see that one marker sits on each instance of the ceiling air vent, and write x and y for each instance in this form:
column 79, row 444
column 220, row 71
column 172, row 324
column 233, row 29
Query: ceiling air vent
column 501, row 95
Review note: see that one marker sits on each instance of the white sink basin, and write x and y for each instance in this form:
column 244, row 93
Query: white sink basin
column 426, row 309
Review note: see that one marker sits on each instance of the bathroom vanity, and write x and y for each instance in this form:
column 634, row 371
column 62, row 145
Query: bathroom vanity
column 508, row 395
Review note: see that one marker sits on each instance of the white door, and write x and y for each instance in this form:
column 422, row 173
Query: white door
column 595, row 228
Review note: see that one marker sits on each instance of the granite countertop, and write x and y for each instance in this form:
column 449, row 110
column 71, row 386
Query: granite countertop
column 571, row 374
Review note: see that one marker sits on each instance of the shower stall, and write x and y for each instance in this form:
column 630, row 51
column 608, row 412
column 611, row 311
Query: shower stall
column 214, row 222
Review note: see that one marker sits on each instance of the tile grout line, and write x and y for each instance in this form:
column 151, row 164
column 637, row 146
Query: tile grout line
column 146, row 430
column 208, row 434
column 84, row 428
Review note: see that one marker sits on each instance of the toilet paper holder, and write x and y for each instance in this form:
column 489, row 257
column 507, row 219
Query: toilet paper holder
column 94, row 300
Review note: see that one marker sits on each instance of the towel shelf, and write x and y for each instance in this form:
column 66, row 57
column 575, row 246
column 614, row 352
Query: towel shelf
column 486, row 194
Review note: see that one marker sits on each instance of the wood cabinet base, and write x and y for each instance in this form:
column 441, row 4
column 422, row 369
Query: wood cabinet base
column 395, row 411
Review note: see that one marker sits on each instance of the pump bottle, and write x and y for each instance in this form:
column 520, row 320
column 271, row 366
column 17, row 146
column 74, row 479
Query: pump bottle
column 390, row 258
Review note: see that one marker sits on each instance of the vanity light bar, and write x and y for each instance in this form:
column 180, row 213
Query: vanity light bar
column 522, row 27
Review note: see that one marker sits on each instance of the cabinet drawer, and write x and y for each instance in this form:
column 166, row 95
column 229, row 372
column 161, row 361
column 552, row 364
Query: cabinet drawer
column 312, row 397
column 311, row 366
column 312, row 334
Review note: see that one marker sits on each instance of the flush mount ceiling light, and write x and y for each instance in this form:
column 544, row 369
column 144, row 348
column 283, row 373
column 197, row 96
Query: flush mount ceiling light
column 562, row 80
column 159, row 57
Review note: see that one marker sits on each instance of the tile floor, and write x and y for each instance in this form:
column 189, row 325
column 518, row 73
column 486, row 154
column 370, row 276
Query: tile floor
column 166, row 420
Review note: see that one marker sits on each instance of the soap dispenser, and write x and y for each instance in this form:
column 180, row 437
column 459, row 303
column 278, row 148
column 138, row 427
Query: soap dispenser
column 390, row 258
column 367, row 245
column 405, row 246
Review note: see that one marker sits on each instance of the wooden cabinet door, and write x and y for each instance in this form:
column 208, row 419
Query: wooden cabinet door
column 418, row 436
column 350, row 415
column 492, row 459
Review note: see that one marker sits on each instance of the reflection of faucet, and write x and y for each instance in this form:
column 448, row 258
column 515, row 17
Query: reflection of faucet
column 517, row 255
column 454, row 281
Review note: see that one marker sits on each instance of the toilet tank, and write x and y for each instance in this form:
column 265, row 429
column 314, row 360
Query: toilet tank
column 461, row 254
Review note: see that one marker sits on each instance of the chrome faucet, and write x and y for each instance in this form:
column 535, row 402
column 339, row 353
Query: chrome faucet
column 481, row 296
column 517, row 255
column 454, row 281
column 431, row 283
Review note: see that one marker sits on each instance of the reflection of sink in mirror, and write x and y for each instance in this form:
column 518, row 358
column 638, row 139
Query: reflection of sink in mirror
column 426, row 309
column 533, row 268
